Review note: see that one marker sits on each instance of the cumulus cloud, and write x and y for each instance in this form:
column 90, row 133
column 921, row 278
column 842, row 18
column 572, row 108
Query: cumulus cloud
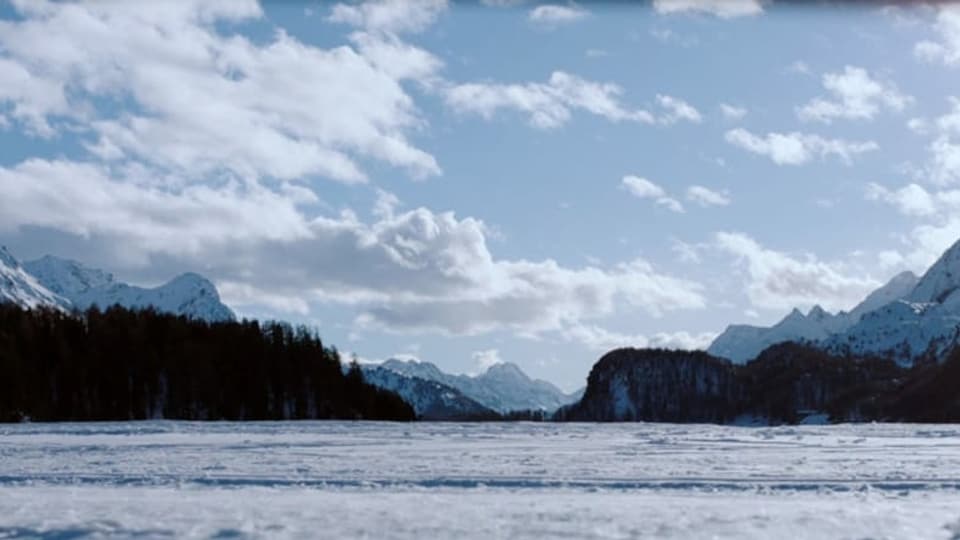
column 676, row 110
column 943, row 166
column 732, row 112
column 725, row 9
column 707, row 197
column 797, row 148
column 600, row 339
column 553, row 14
column 204, row 100
column 645, row 189
column 911, row 200
column 854, row 94
column 777, row 280
column 390, row 16
column 937, row 230
column 946, row 49
column 549, row 105
column 414, row 270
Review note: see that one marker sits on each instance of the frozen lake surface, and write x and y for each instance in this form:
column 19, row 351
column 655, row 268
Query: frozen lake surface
column 517, row 480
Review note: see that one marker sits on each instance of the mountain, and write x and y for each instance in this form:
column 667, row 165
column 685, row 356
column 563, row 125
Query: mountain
column 741, row 343
column 921, row 325
column 189, row 294
column 17, row 286
column 504, row 387
column 430, row 400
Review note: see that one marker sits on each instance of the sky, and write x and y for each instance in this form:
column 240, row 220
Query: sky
column 470, row 183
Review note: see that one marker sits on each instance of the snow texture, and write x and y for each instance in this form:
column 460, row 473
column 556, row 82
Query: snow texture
column 515, row 480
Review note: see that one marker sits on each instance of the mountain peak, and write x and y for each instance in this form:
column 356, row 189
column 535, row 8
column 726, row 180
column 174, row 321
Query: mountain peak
column 67, row 277
column 505, row 369
column 19, row 287
column 941, row 280
column 191, row 281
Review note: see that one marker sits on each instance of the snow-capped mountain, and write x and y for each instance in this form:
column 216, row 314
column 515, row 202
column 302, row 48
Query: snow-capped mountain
column 741, row 343
column 924, row 324
column 21, row 288
column 65, row 284
column 908, row 319
column 504, row 387
column 430, row 399
column 188, row 294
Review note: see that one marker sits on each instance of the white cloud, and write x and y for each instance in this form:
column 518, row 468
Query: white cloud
column 920, row 126
column 553, row 14
column 677, row 109
column 797, row 148
column 947, row 49
column 776, row 280
column 732, row 112
column 405, row 271
column 944, row 163
column 398, row 59
column 686, row 253
column 600, row 339
column 707, row 197
column 486, row 359
column 854, row 94
column 725, row 9
column 645, row 189
column 549, row 105
column 911, row 200
column 924, row 243
column 390, row 16
column 205, row 102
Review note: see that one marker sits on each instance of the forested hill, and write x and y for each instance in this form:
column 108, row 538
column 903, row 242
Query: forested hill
column 122, row 365
column 783, row 385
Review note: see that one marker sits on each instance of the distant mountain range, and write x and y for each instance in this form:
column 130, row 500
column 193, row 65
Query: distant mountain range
column 503, row 388
column 908, row 319
column 69, row 285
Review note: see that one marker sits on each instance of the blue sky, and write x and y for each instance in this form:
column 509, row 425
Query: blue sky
column 471, row 182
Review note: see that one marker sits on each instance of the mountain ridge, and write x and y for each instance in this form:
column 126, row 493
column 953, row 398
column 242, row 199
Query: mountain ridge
column 67, row 285
column 503, row 387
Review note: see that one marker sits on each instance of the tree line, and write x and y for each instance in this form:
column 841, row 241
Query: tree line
column 122, row 364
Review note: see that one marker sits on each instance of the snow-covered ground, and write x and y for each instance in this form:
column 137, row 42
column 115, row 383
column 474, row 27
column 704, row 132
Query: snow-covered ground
column 377, row 480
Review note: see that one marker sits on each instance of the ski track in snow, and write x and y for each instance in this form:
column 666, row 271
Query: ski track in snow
column 504, row 480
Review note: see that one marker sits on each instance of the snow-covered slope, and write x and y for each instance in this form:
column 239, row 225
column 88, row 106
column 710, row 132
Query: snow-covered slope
column 741, row 343
column 21, row 288
column 188, row 294
column 898, row 287
column 503, row 387
column 430, row 399
column 922, row 324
